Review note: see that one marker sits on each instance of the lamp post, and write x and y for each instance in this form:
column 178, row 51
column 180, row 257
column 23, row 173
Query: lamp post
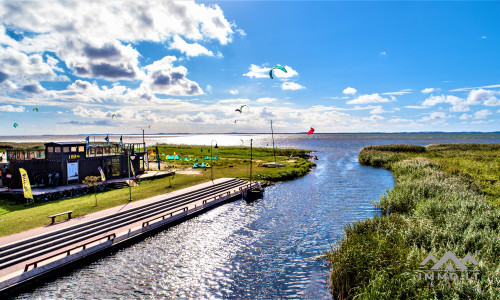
column 211, row 165
column 130, row 157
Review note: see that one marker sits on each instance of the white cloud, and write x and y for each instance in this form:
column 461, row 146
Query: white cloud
column 479, row 87
column 458, row 104
column 256, row 71
column 484, row 37
column 373, row 118
column 383, row 53
column 289, row 85
column 416, row 106
column 437, row 115
column 482, row 114
column 482, row 96
column 208, row 88
column 194, row 49
column 349, row 91
column 266, row 100
column 398, row 120
column 377, row 110
column 94, row 39
column 20, row 67
column 234, row 92
column 427, row 90
column 163, row 78
column 373, row 98
column 10, row 108
column 402, row 92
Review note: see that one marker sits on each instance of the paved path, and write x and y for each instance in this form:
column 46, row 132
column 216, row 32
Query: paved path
column 232, row 189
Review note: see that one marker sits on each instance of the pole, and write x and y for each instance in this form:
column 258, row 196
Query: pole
column 145, row 151
column 251, row 162
column 272, row 135
column 129, row 183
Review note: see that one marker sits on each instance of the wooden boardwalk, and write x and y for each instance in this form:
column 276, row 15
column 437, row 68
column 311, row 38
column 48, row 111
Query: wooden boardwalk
column 40, row 251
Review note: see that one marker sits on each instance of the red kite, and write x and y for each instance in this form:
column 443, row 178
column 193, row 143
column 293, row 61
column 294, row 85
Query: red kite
column 311, row 131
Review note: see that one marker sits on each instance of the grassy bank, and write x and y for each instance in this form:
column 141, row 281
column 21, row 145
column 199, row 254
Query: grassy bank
column 445, row 199
column 233, row 162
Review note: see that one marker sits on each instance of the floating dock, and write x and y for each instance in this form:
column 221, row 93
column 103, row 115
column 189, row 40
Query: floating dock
column 32, row 254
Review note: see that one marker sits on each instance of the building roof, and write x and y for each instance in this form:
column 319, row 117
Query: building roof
column 65, row 143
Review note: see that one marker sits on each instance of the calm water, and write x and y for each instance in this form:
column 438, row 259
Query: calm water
column 261, row 250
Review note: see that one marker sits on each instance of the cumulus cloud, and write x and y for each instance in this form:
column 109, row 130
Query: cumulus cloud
column 262, row 71
column 194, row 49
column 349, row 91
column 162, row 77
column 458, row 104
column 427, row 90
column 10, row 108
column 481, row 114
column 482, row 96
column 373, row 98
column 234, row 92
column 292, row 86
column 94, row 39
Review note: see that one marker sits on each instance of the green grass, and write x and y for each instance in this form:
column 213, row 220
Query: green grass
column 437, row 205
column 234, row 163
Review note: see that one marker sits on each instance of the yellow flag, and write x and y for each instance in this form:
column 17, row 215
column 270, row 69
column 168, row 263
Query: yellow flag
column 103, row 178
column 26, row 184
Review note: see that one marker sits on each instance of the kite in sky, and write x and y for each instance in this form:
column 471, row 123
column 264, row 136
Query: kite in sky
column 149, row 126
column 311, row 131
column 276, row 67
column 235, row 121
column 240, row 109
column 35, row 109
column 113, row 115
column 15, row 125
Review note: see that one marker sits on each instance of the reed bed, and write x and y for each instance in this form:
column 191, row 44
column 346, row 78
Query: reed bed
column 430, row 210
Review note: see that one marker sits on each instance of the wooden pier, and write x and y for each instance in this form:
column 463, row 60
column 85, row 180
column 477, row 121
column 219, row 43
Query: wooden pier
column 38, row 252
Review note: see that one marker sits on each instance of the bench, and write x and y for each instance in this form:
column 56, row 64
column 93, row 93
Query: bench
column 63, row 213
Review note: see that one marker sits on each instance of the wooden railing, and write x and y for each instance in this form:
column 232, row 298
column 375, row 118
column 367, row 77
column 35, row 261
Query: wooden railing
column 68, row 252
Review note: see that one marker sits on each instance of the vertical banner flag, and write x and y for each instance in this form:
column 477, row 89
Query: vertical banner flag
column 88, row 142
column 132, row 168
column 158, row 157
column 121, row 142
column 26, row 184
column 103, row 178
column 107, row 140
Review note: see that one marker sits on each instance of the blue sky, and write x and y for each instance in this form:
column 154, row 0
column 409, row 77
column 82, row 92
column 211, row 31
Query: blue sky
column 186, row 66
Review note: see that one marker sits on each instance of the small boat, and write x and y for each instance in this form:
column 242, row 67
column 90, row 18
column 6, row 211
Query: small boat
column 254, row 193
column 272, row 165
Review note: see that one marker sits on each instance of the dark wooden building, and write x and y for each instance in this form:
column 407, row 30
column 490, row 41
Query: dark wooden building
column 70, row 162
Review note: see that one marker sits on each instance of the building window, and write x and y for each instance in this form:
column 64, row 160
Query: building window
column 81, row 149
column 73, row 148
column 66, row 149
column 57, row 149
column 50, row 149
